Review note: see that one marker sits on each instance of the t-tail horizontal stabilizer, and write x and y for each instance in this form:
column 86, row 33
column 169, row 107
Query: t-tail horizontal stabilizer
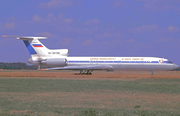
column 25, row 37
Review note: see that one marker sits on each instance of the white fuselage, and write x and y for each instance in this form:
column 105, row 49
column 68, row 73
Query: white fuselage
column 122, row 63
column 58, row 58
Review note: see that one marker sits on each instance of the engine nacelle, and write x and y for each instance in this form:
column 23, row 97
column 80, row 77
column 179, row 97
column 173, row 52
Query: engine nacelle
column 31, row 61
column 55, row 62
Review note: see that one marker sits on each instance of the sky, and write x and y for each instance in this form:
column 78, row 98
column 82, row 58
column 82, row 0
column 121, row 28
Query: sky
column 137, row 28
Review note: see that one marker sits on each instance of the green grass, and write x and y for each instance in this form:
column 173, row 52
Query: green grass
column 60, row 97
column 171, row 86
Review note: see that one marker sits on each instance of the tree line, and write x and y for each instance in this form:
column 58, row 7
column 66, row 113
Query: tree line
column 17, row 65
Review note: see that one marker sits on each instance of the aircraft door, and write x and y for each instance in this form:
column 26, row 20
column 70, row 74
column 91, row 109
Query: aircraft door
column 120, row 64
column 142, row 64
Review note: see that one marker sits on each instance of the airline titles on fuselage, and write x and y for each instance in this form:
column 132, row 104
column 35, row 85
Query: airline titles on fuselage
column 102, row 58
column 112, row 59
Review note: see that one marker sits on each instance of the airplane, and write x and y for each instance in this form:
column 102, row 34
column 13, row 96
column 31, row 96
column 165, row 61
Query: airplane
column 58, row 59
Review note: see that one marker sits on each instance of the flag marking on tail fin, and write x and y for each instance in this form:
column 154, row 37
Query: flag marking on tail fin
column 29, row 47
column 37, row 45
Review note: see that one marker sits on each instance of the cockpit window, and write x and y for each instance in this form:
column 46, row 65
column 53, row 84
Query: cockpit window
column 169, row 62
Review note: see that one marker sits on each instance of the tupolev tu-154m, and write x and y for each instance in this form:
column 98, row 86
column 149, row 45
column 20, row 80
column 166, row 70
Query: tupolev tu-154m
column 58, row 59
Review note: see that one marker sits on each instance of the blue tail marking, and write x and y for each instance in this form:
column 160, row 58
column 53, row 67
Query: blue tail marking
column 29, row 47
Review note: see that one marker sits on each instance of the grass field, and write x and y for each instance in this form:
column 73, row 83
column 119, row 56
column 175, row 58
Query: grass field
column 29, row 93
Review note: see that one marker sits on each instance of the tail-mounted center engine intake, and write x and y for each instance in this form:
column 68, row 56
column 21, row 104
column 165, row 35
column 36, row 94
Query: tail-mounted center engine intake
column 55, row 62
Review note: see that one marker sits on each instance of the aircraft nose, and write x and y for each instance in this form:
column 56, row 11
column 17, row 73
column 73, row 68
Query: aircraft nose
column 175, row 66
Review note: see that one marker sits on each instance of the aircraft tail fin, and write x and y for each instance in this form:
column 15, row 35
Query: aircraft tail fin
column 33, row 44
column 36, row 48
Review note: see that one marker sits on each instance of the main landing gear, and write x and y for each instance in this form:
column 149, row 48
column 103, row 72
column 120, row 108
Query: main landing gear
column 39, row 68
column 85, row 72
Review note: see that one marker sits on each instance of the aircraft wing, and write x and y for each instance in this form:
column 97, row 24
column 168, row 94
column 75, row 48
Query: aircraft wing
column 94, row 67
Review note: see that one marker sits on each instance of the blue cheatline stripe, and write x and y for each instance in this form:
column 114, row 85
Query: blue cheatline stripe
column 29, row 47
column 152, row 62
